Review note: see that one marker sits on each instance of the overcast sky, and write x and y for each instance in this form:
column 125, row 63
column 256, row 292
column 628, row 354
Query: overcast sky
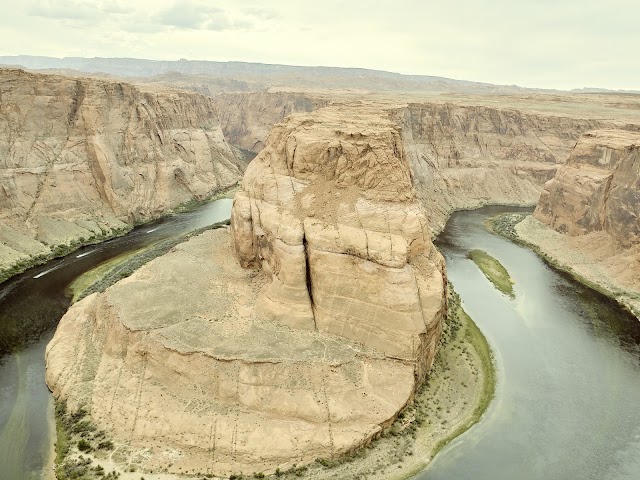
column 534, row 43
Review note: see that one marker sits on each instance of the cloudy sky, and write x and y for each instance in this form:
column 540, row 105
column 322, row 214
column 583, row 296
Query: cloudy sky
column 537, row 43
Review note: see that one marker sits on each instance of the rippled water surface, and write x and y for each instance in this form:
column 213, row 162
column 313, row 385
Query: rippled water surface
column 567, row 404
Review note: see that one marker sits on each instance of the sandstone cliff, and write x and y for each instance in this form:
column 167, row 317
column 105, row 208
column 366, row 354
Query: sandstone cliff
column 307, row 352
column 593, row 204
column 598, row 189
column 462, row 155
column 247, row 118
column 468, row 156
column 85, row 158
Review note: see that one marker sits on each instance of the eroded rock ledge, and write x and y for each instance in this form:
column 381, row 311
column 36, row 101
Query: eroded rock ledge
column 195, row 364
column 588, row 217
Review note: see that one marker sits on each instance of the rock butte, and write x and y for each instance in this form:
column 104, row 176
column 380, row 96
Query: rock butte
column 307, row 352
column 83, row 158
column 304, row 329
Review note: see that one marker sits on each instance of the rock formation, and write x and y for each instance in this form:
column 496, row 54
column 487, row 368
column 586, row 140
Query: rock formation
column 247, row 118
column 598, row 189
column 467, row 156
column 307, row 352
column 462, row 156
column 593, row 204
column 85, row 158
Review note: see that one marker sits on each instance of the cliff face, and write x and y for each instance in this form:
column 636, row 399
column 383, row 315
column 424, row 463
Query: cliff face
column 587, row 220
column 84, row 158
column 247, row 118
column 328, row 210
column 598, row 189
column 467, row 156
column 462, row 156
column 307, row 352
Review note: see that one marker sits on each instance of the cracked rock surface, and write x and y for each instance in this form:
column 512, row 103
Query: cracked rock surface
column 588, row 217
column 297, row 334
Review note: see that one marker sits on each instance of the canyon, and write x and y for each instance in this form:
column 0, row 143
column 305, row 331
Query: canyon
column 83, row 159
column 304, row 329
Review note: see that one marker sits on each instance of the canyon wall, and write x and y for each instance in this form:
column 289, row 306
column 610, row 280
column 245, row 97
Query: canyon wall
column 588, row 217
column 83, row 159
column 468, row 156
column 307, row 346
column 598, row 189
column 462, row 156
column 247, row 118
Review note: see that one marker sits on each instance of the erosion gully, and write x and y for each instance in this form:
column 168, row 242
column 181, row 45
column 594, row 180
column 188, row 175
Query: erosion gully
column 31, row 306
column 568, row 360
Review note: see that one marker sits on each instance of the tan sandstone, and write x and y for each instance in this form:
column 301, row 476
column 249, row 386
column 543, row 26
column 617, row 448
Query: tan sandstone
column 465, row 150
column 588, row 217
column 307, row 352
column 84, row 158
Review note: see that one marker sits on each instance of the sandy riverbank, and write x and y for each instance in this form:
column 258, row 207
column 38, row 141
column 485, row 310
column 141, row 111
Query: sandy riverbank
column 591, row 259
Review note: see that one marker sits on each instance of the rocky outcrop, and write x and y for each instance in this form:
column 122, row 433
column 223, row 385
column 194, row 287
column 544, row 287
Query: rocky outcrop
column 598, row 189
column 307, row 352
column 86, row 158
column 588, row 216
column 328, row 210
column 462, row 156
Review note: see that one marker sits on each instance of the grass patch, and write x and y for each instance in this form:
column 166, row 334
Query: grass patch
column 468, row 332
column 85, row 281
column 494, row 271
column 75, row 434
column 505, row 224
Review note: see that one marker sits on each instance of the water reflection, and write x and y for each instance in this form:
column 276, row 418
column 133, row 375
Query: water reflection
column 569, row 378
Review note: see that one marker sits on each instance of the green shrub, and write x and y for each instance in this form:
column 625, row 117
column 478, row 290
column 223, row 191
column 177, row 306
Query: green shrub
column 84, row 446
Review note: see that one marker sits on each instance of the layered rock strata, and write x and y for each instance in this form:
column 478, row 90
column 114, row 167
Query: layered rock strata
column 598, row 189
column 467, row 156
column 307, row 352
column 247, row 118
column 462, row 155
column 84, row 158
column 591, row 210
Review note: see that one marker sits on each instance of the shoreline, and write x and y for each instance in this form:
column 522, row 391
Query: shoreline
column 62, row 250
column 505, row 226
column 48, row 469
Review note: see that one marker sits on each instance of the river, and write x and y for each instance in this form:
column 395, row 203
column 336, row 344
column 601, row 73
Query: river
column 31, row 306
column 567, row 404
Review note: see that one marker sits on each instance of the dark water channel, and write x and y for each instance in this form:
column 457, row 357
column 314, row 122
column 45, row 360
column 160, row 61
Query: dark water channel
column 31, row 306
column 568, row 399
column 567, row 404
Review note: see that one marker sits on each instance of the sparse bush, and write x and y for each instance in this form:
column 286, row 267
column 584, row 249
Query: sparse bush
column 84, row 446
